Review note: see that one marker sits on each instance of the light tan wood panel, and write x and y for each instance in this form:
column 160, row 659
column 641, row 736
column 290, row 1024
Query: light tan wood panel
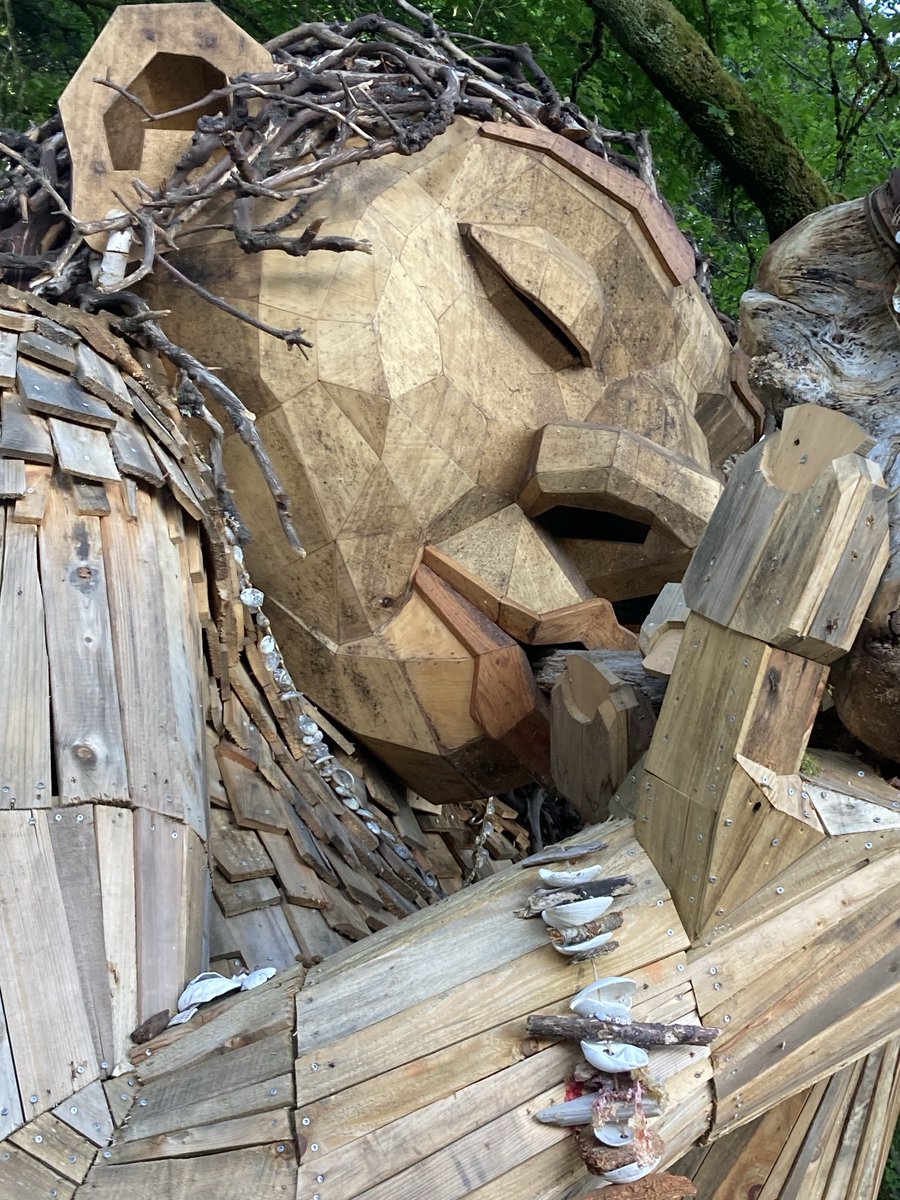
column 25, row 779
column 46, row 1015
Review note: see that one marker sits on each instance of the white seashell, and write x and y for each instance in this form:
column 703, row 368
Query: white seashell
column 586, row 948
column 614, row 990
column 180, row 1018
column 579, row 912
column 630, row 1173
column 614, row 1056
column 563, row 879
column 600, row 1010
column 572, row 1112
column 614, row 1135
column 205, row 987
column 254, row 979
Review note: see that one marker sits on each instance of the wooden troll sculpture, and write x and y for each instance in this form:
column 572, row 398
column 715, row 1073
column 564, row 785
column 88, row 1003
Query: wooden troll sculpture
column 753, row 893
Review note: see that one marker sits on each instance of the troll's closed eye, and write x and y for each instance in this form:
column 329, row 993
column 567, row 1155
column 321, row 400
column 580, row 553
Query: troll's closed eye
column 554, row 283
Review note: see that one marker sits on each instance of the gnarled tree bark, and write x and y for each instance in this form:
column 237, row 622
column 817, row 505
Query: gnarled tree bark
column 751, row 146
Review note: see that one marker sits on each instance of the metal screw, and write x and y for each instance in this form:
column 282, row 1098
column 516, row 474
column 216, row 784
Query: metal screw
column 775, row 841
column 33, row 1099
column 670, row 933
column 273, row 1091
column 314, row 1147
column 280, row 1147
column 680, row 968
column 868, row 845
column 779, row 891
column 713, row 879
column 304, row 1120
column 314, row 1066
column 320, row 1179
column 713, row 970
column 38, row 1138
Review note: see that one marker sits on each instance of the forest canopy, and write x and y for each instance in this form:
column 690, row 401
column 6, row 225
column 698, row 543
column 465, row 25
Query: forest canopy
column 759, row 110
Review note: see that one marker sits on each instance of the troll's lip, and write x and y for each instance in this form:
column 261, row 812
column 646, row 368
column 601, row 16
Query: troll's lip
column 591, row 622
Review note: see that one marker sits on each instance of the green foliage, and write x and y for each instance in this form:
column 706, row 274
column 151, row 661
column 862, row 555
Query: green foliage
column 890, row 1185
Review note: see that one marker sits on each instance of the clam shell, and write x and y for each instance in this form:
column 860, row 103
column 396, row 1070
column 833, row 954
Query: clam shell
column 630, row 1173
column 614, row 1056
column 572, row 1112
column 255, row 978
column 584, row 947
column 614, row 1135
column 614, row 990
column 563, row 879
column 601, row 1011
column 579, row 912
column 204, row 987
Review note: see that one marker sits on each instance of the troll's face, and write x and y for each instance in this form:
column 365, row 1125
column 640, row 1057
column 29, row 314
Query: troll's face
column 508, row 413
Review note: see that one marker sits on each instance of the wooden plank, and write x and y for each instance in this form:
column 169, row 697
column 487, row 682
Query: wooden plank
column 8, row 342
column 25, row 778
column 219, row 1074
column 75, row 850
column 132, row 453
column 29, row 508
column 57, row 1146
column 459, row 1168
column 12, row 478
column 256, row 805
column 40, row 348
column 316, row 939
column 55, row 395
column 237, row 898
column 114, row 830
column 259, row 1171
column 91, row 499
column 23, row 434
column 24, row 1178
column 87, row 728
column 254, row 1130
column 252, row 1016
column 392, row 1148
column 88, row 1113
column 45, row 1009
column 138, row 616
column 163, row 890
column 10, row 1102
column 237, row 852
column 301, row 885
column 102, row 379
column 83, row 451
column 266, row 939
column 182, row 655
column 16, row 322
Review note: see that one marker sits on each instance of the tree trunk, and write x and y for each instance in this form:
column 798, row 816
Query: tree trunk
column 752, row 147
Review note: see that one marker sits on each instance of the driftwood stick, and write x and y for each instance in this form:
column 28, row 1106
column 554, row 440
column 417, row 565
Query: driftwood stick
column 555, row 854
column 635, row 1033
column 618, row 885
column 651, row 1187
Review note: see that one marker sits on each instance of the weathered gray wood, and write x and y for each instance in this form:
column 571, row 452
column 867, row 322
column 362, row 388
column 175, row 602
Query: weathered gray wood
column 57, row 395
column 23, row 434
column 83, row 451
